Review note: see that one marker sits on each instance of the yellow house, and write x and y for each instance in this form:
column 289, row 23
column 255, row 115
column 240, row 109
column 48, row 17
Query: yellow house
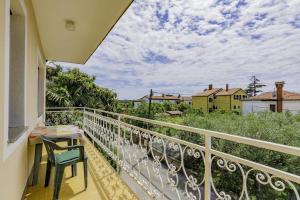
column 204, row 101
column 219, row 99
column 230, row 99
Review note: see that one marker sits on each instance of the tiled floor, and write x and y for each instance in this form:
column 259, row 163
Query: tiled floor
column 103, row 182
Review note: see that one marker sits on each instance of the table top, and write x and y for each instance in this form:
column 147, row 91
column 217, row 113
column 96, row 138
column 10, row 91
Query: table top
column 61, row 131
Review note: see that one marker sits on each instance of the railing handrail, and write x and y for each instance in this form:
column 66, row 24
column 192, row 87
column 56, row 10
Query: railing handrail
column 141, row 152
column 225, row 136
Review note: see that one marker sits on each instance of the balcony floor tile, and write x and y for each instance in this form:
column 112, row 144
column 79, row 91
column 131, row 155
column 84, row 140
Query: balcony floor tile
column 103, row 181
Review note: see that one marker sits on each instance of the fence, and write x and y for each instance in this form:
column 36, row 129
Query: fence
column 171, row 161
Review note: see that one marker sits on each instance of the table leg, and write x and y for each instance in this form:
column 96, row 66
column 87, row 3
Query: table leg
column 37, row 161
column 74, row 167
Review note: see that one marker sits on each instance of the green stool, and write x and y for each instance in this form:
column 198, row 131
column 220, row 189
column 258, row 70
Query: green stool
column 70, row 156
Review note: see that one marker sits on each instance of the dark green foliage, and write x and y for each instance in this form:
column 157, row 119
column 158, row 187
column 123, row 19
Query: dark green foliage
column 75, row 88
column 71, row 117
column 281, row 128
column 254, row 86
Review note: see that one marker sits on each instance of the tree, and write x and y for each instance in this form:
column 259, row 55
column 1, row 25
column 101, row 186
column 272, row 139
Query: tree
column 254, row 87
column 75, row 88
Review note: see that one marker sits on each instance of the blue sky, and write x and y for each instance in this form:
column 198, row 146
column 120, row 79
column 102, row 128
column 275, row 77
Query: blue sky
column 180, row 46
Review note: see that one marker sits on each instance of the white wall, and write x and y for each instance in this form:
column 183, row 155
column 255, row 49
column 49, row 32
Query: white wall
column 292, row 106
column 16, row 159
column 256, row 106
column 260, row 106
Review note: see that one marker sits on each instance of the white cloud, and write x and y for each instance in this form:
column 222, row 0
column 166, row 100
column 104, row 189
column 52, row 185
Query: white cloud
column 179, row 45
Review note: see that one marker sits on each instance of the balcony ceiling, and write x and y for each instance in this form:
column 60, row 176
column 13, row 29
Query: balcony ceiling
column 93, row 20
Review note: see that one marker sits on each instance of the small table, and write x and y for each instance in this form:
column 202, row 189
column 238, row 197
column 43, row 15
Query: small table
column 62, row 131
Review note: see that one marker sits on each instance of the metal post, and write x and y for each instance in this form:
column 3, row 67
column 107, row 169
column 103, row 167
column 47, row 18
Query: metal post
column 207, row 175
column 94, row 123
column 119, row 137
column 83, row 119
column 150, row 100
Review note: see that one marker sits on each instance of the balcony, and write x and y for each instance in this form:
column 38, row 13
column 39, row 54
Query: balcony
column 103, row 181
column 159, row 160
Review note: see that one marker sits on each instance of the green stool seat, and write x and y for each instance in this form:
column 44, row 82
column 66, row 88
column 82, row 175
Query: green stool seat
column 69, row 157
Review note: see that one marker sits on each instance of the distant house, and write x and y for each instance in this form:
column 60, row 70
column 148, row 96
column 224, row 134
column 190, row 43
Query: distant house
column 204, row 100
column 157, row 99
column 228, row 99
column 277, row 101
column 187, row 100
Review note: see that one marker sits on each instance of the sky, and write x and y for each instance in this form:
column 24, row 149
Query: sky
column 181, row 46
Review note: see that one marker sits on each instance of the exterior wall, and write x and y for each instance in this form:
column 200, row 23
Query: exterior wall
column 136, row 104
column 188, row 102
column 261, row 106
column 211, row 104
column 292, row 106
column 256, row 106
column 16, row 159
column 228, row 103
column 200, row 103
column 236, row 102
column 223, row 103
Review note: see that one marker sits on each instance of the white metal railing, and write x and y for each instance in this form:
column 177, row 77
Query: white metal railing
column 171, row 168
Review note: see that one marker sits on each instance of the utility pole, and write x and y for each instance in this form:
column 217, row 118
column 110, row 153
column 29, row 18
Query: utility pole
column 150, row 100
column 254, row 85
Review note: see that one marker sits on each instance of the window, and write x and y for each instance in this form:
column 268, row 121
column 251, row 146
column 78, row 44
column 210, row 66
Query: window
column 273, row 107
column 234, row 107
column 210, row 99
column 41, row 91
column 16, row 73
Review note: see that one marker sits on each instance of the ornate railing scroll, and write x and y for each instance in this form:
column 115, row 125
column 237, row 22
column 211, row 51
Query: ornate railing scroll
column 170, row 167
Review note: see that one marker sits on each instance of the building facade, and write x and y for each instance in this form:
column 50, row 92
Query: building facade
column 277, row 101
column 205, row 101
column 212, row 99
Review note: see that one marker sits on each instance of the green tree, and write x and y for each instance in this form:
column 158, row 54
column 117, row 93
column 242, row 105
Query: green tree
column 254, row 87
column 75, row 88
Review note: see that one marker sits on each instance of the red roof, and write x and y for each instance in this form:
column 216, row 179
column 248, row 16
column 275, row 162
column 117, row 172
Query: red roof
column 208, row 92
column 272, row 96
column 230, row 91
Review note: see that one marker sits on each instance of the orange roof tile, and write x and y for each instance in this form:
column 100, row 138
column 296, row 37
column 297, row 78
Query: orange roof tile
column 207, row 92
column 272, row 96
column 230, row 91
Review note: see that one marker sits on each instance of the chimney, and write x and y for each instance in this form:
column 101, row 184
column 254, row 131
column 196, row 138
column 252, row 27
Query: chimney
column 227, row 87
column 210, row 87
column 279, row 94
